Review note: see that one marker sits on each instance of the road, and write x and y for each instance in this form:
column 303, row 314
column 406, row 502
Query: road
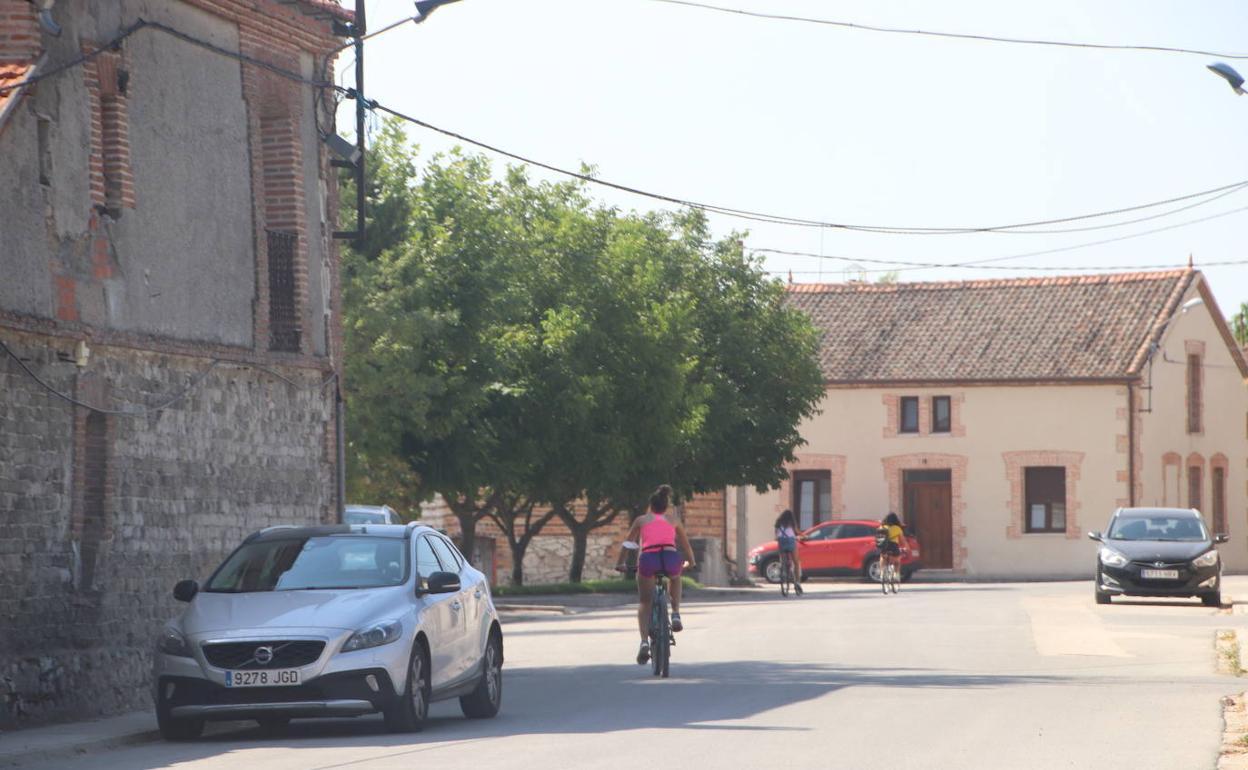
column 958, row 675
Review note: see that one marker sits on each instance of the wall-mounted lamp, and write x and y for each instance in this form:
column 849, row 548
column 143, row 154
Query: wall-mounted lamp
column 44, row 9
column 348, row 151
column 82, row 354
column 1191, row 303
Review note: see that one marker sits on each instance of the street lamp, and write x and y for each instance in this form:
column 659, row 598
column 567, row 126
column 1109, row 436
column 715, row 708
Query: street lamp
column 1228, row 73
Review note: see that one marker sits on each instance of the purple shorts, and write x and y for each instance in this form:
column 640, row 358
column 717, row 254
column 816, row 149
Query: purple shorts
column 651, row 562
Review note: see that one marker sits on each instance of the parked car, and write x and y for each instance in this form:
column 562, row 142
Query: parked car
column 842, row 547
column 1158, row 552
column 330, row 622
column 370, row 514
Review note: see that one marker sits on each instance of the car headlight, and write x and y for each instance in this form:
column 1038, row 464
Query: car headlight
column 374, row 636
column 171, row 642
column 1206, row 559
column 1112, row 558
column 754, row 558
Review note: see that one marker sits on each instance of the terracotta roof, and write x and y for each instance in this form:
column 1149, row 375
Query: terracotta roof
column 10, row 74
column 1088, row 327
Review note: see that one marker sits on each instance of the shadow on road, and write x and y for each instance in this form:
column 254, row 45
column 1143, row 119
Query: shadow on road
column 561, row 700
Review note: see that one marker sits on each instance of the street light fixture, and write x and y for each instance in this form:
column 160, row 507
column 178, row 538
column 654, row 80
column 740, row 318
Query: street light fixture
column 426, row 7
column 1228, row 73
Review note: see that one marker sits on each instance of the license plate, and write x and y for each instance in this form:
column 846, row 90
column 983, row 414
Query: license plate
column 1159, row 574
column 281, row 677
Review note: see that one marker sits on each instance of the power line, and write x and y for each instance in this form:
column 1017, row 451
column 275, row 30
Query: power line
column 930, row 265
column 952, row 35
column 785, row 220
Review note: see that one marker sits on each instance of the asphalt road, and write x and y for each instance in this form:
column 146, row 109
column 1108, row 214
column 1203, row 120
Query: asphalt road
column 965, row 676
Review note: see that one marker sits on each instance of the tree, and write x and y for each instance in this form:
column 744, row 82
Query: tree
column 1239, row 325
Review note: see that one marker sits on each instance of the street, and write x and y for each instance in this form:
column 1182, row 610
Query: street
column 954, row 675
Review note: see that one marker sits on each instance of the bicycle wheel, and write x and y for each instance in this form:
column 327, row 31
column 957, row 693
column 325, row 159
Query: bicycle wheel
column 884, row 565
column 894, row 576
column 660, row 634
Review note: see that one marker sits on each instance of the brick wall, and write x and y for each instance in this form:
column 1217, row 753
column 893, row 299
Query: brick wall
column 19, row 31
column 86, row 575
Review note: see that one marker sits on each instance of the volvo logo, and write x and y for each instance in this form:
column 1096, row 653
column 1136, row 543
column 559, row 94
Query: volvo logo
column 263, row 655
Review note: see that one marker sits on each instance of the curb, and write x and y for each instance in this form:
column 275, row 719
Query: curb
column 64, row 750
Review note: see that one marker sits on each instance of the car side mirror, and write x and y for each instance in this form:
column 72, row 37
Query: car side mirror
column 185, row 590
column 442, row 583
column 1221, row 538
column 1097, row 536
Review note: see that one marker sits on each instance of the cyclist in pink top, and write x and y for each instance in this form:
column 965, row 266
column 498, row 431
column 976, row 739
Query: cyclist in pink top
column 658, row 534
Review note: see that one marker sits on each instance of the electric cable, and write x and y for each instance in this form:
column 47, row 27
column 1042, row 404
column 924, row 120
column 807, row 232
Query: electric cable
column 952, row 35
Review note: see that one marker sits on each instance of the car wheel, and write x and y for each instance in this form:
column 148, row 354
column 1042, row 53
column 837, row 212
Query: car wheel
column 174, row 729
column 1212, row 600
column 484, row 701
column 1101, row 596
column 871, row 569
column 407, row 714
column 771, row 570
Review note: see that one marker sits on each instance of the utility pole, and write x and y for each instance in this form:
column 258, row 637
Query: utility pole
column 360, row 28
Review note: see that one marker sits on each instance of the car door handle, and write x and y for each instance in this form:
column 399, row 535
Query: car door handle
column 477, row 594
column 455, row 605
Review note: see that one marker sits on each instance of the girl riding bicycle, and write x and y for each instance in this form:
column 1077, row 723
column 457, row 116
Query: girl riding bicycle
column 658, row 535
column 890, row 550
column 786, row 539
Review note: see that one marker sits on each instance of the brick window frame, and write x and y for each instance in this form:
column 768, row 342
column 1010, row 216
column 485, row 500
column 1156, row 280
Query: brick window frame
column 1219, row 470
column 811, row 461
column 111, row 174
column 1194, row 386
column 1044, row 486
column 892, row 415
column 1194, row 489
column 937, row 425
column 1016, row 464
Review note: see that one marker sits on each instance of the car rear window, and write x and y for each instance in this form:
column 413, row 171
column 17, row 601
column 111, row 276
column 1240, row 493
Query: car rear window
column 331, row 562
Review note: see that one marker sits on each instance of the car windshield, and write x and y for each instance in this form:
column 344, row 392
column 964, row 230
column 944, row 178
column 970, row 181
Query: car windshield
column 315, row 562
column 365, row 517
column 1177, row 528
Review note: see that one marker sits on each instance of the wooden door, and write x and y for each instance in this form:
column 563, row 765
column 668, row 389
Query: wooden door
column 929, row 511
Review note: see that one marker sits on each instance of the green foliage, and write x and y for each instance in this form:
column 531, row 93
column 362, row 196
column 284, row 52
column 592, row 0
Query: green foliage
column 1239, row 324
column 517, row 346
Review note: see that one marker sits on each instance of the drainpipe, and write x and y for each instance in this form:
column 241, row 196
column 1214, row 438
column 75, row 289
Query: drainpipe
column 341, row 442
column 1131, row 444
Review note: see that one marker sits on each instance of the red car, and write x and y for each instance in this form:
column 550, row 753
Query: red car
column 841, row 547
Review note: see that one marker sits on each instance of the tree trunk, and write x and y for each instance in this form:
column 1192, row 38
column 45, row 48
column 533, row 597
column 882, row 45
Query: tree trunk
column 580, row 544
column 468, row 536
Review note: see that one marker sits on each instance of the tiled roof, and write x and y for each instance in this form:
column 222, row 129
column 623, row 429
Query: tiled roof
column 1062, row 328
column 11, row 73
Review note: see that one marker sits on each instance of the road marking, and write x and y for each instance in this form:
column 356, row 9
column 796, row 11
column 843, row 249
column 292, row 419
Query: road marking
column 1062, row 627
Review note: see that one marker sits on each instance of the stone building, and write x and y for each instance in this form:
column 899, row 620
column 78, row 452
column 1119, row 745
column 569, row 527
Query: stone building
column 169, row 320
column 1004, row 419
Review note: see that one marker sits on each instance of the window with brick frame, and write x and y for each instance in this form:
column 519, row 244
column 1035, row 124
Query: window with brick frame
column 812, row 497
column 112, row 179
column 1044, row 494
column 1194, row 481
column 94, row 474
column 279, row 157
column 1218, row 499
column 283, row 310
column 942, row 414
column 1194, row 405
column 908, row 415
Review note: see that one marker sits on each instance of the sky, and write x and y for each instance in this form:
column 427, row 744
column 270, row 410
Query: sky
column 849, row 126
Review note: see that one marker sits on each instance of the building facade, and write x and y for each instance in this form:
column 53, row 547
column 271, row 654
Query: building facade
column 169, row 315
column 1003, row 420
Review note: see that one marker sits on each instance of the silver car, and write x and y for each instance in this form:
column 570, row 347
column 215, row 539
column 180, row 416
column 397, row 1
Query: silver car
column 370, row 514
column 330, row 622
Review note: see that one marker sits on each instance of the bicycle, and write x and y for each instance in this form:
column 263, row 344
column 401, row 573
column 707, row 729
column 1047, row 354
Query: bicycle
column 786, row 573
column 890, row 569
column 661, row 637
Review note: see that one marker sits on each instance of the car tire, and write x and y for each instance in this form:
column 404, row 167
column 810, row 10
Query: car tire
column 1102, row 597
column 410, row 709
column 485, row 700
column 871, row 568
column 770, row 570
column 1212, row 600
column 174, row 729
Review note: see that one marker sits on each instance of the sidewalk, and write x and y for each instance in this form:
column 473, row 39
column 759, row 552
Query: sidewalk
column 40, row 744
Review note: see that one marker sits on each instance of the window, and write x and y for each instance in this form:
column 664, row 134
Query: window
column 283, row 318
column 909, row 415
column 940, row 414
column 446, row 555
column 812, row 497
column 1193, row 487
column 1219, row 500
column 1045, row 497
column 426, row 562
column 1193, row 394
column 855, row 530
column 823, row 533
